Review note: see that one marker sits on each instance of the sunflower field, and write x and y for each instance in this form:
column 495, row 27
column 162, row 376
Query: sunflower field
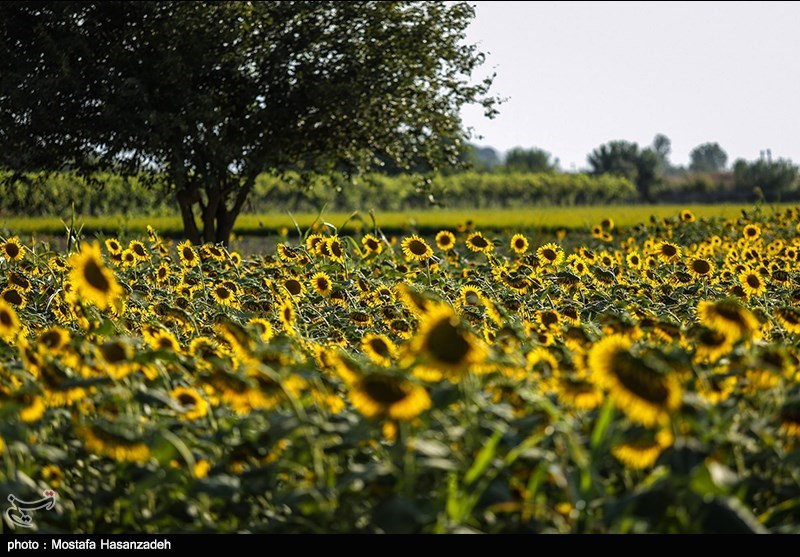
column 644, row 379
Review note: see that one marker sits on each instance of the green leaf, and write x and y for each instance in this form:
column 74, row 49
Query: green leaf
column 483, row 459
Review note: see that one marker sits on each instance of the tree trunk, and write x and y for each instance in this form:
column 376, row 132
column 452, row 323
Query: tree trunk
column 186, row 200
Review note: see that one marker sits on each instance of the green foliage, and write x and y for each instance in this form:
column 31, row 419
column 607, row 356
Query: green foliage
column 774, row 180
column 623, row 158
column 54, row 194
column 214, row 94
column 529, row 160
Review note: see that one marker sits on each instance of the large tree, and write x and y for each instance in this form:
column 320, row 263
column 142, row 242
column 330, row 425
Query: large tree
column 623, row 158
column 708, row 157
column 209, row 95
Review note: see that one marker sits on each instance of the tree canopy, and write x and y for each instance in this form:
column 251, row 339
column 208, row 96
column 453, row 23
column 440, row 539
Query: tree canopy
column 212, row 94
column 708, row 157
column 623, row 158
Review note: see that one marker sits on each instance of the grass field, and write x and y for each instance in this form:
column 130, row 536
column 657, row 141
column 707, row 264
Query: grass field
column 546, row 219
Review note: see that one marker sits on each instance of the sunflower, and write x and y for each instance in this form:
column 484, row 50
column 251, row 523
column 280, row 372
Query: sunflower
column 751, row 232
column 700, row 267
column 371, row 244
column 192, row 405
column 263, row 328
column 550, row 254
column 19, row 281
column 210, row 251
column 11, row 249
column 687, row 216
column 294, row 286
column 53, row 339
column 139, row 251
column 117, row 357
column 668, row 252
column 644, row 451
column 711, row 345
column 401, row 328
column 164, row 340
column 113, row 246
column 645, row 395
column 379, row 395
column 634, row 260
column 92, row 280
column 223, row 296
column 519, row 244
column 416, row 248
column 477, row 242
column 578, row 264
column 470, row 295
column 379, row 348
column 14, row 297
column 578, row 393
column 728, row 317
column 287, row 314
column 790, row 418
column 187, row 254
column 789, row 318
column 9, row 322
column 121, row 449
column 335, row 249
column 752, row 283
column 444, row 343
column 445, row 240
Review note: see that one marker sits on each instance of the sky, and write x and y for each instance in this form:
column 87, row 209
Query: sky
column 579, row 74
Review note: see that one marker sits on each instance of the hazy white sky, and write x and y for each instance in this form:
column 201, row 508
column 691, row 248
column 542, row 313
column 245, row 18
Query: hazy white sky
column 580, row 74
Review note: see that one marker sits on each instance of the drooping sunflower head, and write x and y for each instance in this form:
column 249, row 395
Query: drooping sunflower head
column 92, row 280
column 444, row 343
column 53, row 339
column 380, row 395
column 789, row 318
column 478, row 243
column 379, row 348
column 371, row 244
column 9, row 322
column 416, row 248
column 790, row 417
column 728, row 317
column 646, row 395
column 192, row 406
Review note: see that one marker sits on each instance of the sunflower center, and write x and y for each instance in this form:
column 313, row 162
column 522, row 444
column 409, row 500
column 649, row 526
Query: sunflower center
column 479, row 242
column 5, row 318
column 384, row 390
column 293, row 286
column 12, row 297
column 701, row 266
column 446, row 343
column 417, row 248
column 12, row 250
column 188, row 254
column 639, row 380
column 669, row 250
column 51, row 339
column 336, row 249
column 549, row 318
column 223, row 293
column 549, row 254
column 95, row 277
column 379, row 347
column 113, row 352
column 138, row 249
column 753, row 281
column 372, row 244
column 519, row 243
column 187, row 399
column 322, row 284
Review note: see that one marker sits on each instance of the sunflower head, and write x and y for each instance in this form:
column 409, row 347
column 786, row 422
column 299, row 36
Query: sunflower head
column 445, row 240
column 519, row 244
column 550, row 255
column 380, row 395
column 477, row 242
column 11, row 249
column 416, row 248
column 92, row 280
column 444, row 343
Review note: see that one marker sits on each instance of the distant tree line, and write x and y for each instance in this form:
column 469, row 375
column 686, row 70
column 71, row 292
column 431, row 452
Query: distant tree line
column 708, row 178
